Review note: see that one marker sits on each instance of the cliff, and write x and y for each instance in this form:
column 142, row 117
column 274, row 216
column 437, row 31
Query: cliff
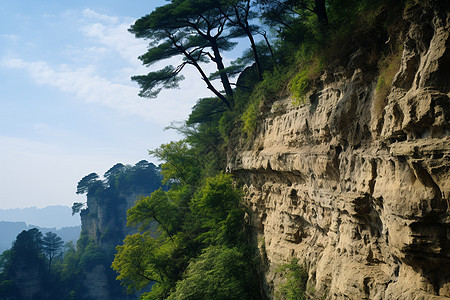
column 104, row 222
column 356, row 187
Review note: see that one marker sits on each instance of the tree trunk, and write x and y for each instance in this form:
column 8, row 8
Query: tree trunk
column 205, row 78
column 223, row 75
column 255, row 51
column 321, row 12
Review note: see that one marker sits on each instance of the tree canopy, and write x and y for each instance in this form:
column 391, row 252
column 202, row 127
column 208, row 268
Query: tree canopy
column 191, row 29
column 51, row 245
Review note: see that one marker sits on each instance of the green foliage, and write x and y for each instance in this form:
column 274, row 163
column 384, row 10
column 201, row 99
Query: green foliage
column 30, row 253
column 270, row 87
column 92, row 255
column 181, row 163
column 27, row 246
column 299, row 86
column 225, row 126
column 152, row 83
column 217, row 211
column 51, row 245
column 218, row 273
column 180, row 224
column 143, row 177
column 159, row 208
column 134, row 260
column 88, row 184
column 296, row 279
column 192, row 29
column 301, row 83
column 77, row 207
column 250, row 118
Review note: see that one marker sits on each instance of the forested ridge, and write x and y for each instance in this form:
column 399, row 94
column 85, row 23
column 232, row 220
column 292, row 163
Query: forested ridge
column 193, row 239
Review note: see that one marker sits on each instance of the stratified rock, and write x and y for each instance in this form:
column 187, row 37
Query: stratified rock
column 357, row 189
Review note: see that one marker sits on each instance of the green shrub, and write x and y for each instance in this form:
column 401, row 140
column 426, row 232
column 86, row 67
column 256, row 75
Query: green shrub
column 249, row 118
column 272, row 86
column 226, row 125
column 299, row 87
column 296, row 279
column 302, row 81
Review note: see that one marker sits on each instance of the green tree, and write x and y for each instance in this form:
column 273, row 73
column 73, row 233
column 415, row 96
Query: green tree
column 219, row 273
column 239, row 14
column 178, row 230
column 181, row 163
column 111, row 174
column 296, row 278
column 51, row 245
column 216, row 209
column 7, row 285
column 283, row 12
column 92, row 255
column 134, row 261
column 88, row 184
column 28, row 246
column 186, row 28
column 77, row 207
column 159, row 209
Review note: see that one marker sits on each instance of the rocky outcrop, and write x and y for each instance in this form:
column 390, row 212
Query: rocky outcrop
column 356, row 188
column 105, row 220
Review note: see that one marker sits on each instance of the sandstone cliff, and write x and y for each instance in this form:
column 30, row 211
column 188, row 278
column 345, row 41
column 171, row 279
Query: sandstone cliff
column 356, row 188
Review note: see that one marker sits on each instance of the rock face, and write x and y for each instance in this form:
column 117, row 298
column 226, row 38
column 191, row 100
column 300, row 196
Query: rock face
column 104, row 221
column 358, row 189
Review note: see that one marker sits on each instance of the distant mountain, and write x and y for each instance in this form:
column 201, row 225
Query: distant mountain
column 50, row 216
column 10, row 230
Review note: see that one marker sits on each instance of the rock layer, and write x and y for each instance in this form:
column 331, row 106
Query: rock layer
column 356, row 188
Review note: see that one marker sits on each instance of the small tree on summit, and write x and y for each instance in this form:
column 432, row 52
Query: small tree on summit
column 88, row 183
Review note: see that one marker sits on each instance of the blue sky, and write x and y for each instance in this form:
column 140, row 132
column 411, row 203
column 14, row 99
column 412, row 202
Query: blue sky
column 68, row 106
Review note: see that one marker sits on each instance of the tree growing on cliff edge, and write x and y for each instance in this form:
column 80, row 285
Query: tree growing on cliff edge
column 192, row 30
column 88, row 184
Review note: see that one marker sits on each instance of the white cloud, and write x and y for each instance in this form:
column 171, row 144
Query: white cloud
column 91, row 14
column 95, row 82
column 117, row 37
column 87, row 85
